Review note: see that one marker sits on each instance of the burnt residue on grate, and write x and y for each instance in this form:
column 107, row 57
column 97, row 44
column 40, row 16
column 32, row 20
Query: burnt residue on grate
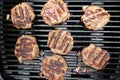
column 107, row 38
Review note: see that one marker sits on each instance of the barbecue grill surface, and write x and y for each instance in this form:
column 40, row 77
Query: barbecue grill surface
column 107, row 38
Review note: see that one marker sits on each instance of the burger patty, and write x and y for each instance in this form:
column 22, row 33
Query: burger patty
column 60, row 42
column 22, row 15
column 55, row 12
column 95, row 17
column 95, row 56
column 26, row 48
column 54, row 67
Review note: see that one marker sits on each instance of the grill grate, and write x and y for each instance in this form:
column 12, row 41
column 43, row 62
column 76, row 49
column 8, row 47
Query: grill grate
column 107, row 38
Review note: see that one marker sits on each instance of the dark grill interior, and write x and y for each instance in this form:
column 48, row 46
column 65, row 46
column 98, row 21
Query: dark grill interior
column 107, row 38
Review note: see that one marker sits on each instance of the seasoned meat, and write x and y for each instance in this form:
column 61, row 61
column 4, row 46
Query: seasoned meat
column 54, row 67
column 22, row 15
column 83, row 70
column 26, row 48
column 55, row 12
column 95, row 56
column 95, row 17
column 60, row 42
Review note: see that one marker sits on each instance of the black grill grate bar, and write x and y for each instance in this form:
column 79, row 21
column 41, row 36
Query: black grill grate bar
column 37, row 26
column 75, row 36
column 12, row 55
column 106, row 74
column 109, row 47
column 24, row 76
column 22, row 66
column 11, row 50
column 80, row 31
column 69, row 6
column 24, row 71
column 37, row 65
column 76, row 41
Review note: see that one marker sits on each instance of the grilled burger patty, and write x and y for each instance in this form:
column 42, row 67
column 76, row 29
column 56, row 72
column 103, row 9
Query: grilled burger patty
column 55, row 12
column 26, row 48
column 95, row 56
column 95, row 17
column 22, row 15
column 60, row 42
column 54, row 67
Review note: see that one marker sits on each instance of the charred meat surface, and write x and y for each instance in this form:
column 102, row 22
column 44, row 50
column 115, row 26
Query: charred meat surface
column 55, row 12
column 95, row 56
column 22, row 15
column 54, row 67
column 26, row 48
column 60, row 42
column 95, row 17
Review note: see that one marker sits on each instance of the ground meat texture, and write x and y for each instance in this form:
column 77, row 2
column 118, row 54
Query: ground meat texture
column 26, row 48
column 60, row 42
column 54, row 67
column 55, row 12
column 95, row 56
column 84, row 70
column 95, row 17
column 22, row 15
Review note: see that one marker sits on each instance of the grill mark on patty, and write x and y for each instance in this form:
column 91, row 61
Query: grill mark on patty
column 28, row 19
column 54, row 67
column 105, row 58
column 24, row 47
column 67, row 47
column 21, row 13
column 94, row 17
column 56, row 39
column 104, row 53
column 16, row 14
column 92, row 52
column 56, row 63
column 24, row 50
column 63, row 43
column 19, row 23
column 23, row 55
column 59, row 71
column 51, row 76
column 61, row 6
column 98, row 56
column 48, row 19
column 59, row 12
column 51, row 37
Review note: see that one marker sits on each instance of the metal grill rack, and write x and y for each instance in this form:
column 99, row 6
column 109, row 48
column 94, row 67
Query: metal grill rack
column 107, row 38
